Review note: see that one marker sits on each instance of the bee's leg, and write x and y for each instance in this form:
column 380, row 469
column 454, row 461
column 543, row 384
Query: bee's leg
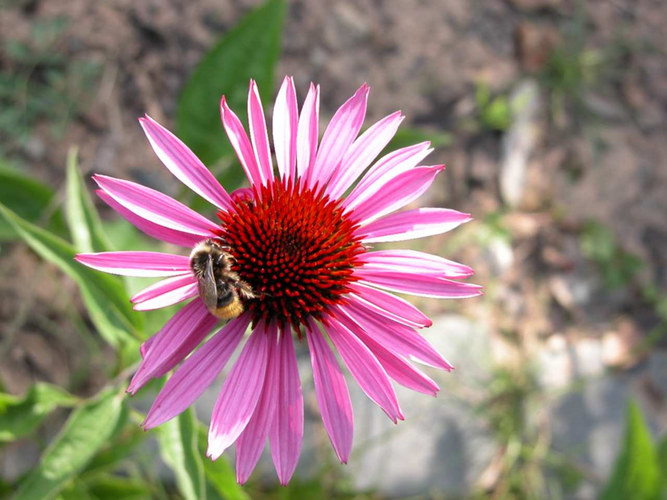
column 244, row 290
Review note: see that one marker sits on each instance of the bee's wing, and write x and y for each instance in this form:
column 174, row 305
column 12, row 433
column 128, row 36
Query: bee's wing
column 207, row 289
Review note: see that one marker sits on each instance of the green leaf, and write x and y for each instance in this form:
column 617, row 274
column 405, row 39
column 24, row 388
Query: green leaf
column 178, row 448
column 662, row 460
column 20, row 417
column 219, row 474
column 636, row 474
column 104, row 295
column 86, row 431
column 249, row 50
column 29, row 198
column 107, row 487
column 82, row 218
column 117, row 450
column 75, row 490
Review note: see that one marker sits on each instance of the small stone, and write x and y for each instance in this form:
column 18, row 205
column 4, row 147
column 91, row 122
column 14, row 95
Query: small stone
column 555, row 365
column 500, row 256
column 34, row 148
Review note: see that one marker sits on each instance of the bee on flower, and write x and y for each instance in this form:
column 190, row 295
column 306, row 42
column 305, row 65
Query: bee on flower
column 292, row 258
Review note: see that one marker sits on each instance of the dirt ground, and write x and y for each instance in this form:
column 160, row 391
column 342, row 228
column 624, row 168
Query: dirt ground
column 596, row 150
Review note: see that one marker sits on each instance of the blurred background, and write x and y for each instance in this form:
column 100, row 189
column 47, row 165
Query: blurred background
column 550, row 116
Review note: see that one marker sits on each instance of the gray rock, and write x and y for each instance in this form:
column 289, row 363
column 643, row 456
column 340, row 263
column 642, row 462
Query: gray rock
column 519, row 141
column 442, row 445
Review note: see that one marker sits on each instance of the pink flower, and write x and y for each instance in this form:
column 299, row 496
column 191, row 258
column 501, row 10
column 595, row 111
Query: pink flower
column 304, row 248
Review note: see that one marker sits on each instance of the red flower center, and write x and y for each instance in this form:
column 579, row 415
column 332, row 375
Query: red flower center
column 295, row 247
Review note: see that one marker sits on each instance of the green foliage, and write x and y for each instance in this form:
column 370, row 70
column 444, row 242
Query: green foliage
column 85, row 432
column 637, row 473
column 39, row 82
column 494, row 113
column 220, row 477
column 506, row 400
column 570, row 70
column 82, row 218
column 20, row 417
column 123, row 444
column 105, row 297
column 616, row 266
column 573, row 68
column 30, row 199
column 108, row 487
column 249, row 50
column 662, row 457
column 178, row 447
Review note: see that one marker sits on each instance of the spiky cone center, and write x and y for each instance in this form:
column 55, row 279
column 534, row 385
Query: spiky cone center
column 295, row 247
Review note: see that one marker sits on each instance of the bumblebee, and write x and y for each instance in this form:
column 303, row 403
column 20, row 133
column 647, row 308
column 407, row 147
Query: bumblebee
column 221, row 289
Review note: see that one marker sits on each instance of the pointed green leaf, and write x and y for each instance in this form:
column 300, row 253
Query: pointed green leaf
column 636, row 474
column 19, row 417
column 105, row 297
column 178, row 448
column 82, row 218
column 249, row 50
column 29, row 198
column 86, row 431
column 219, row 474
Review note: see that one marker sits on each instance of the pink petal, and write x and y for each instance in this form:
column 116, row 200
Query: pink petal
column 412, row 224
column 286, row 434
column 251, row 442
column 184, row 239
column 146, row 345
column 396, row 193
column 243, row 193
column 341, row 131
column 196, row 373
column 184, row 164
column 155, row 206
column 240, row 142
column 365, row 368
column 389, row 305
column 395, row 366
column 143, row 264
column 285, row 125
column 362, row 152
column 332, row 394
column 240, row 394
column 414, row 262
column 163, row 286
column 169, row 298
column 177, row 338
column 398, row 338
column 307, row 132
column 418, row 284
column 258, row 134
column 385, row 169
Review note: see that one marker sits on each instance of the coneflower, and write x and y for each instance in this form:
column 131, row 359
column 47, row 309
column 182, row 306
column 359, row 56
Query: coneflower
column 301, row 238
